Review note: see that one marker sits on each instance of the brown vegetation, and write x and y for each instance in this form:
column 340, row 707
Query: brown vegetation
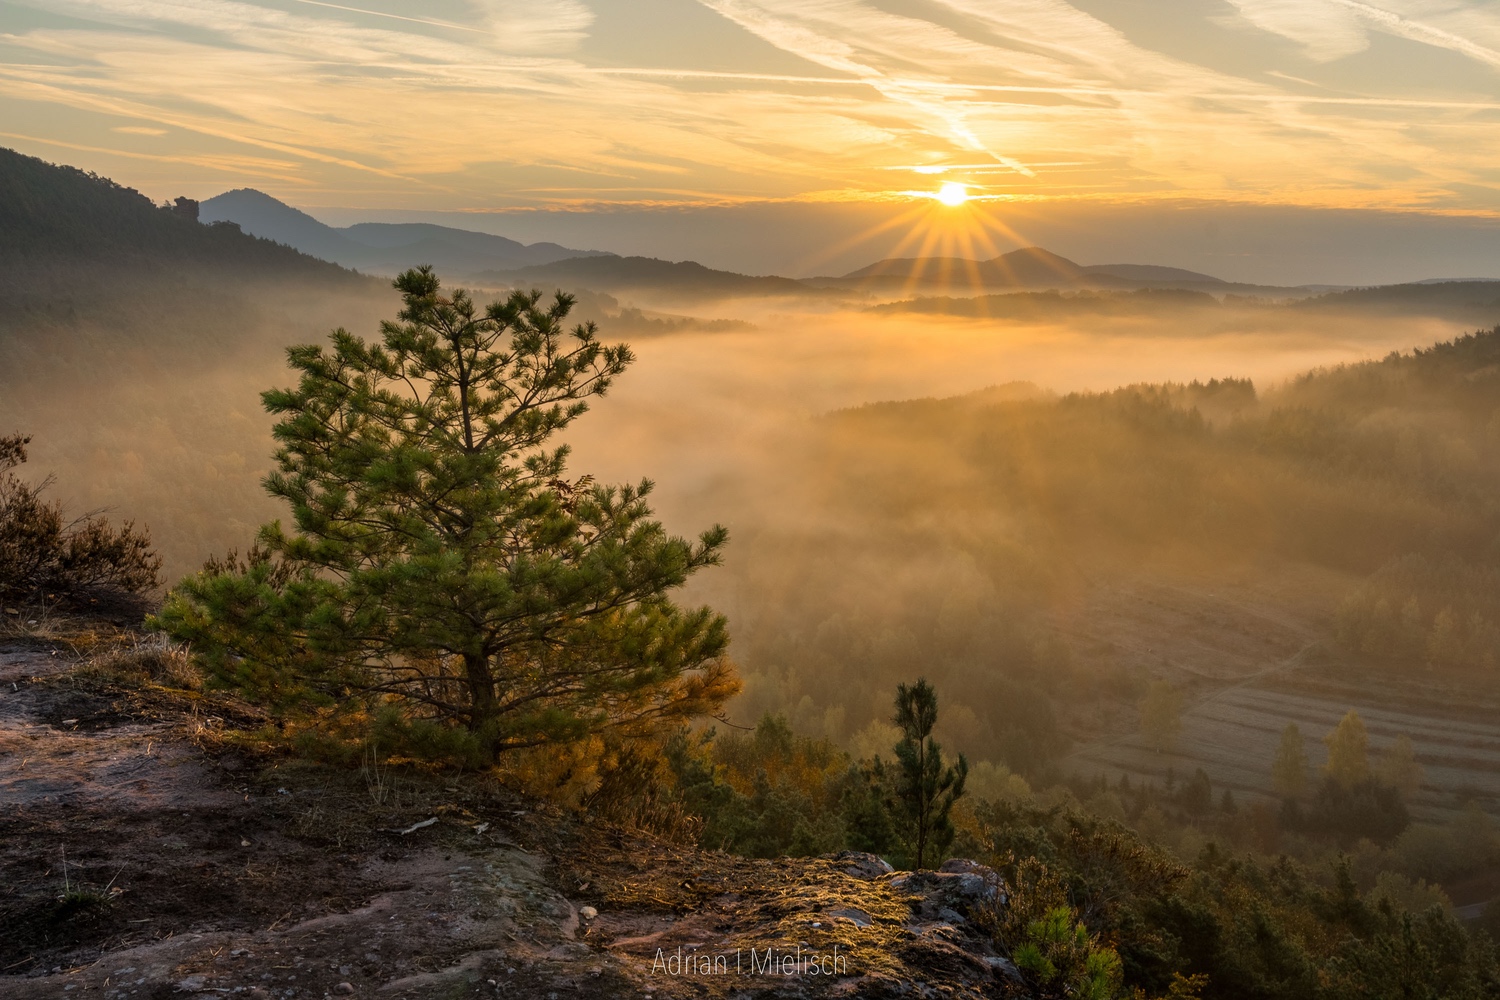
column 43, row 552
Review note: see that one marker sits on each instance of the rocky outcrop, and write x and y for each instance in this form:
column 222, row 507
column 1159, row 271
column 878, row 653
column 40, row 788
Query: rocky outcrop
column 840, row 925
column 203, row 873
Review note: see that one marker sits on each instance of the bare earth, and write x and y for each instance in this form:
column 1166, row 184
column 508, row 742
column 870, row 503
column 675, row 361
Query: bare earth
column 143, row 856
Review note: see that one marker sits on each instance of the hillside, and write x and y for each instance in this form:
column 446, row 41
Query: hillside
column 230, row 867
column 1029, row 267
column 380, row 248
column 1470, row 301
column 61, row 220
column 119, row 314
column 686, row 280
column 1331, row 540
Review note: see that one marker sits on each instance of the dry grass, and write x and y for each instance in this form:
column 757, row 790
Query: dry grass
column 129, row 658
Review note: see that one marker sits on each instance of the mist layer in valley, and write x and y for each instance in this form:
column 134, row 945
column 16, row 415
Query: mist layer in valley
column 1046, row 502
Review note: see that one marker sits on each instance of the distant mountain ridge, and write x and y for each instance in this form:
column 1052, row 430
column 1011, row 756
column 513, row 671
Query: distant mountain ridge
column 59, row 219
column 684, row 279
column 387, row 248
column 1029, row 267
column 380, row 247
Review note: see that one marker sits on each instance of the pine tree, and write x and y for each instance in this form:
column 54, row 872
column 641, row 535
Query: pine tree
column 1348, row 751
column 926, row 789
column 1289, row 771
column 439, row 562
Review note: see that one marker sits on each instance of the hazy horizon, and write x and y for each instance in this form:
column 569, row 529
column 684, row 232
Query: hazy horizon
column 1336, row 143
column 1283, row 246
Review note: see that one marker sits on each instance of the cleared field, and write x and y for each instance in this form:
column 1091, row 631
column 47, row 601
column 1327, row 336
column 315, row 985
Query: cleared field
column 1233, row 733
column 1198, row 630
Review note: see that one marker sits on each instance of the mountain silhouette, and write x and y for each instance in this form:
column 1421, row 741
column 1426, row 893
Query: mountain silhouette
column 379, row 247
column 685, row 279
column 71, row 226
column 1029, row 267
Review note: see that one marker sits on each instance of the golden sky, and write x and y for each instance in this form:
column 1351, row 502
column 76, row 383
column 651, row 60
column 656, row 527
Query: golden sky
column 492, row 104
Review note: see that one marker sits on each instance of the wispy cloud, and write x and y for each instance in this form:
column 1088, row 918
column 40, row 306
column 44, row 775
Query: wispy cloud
column 549, row 26
column 1332, row 29
column 1431, row 34
column 495, row 102
column 1324, row 29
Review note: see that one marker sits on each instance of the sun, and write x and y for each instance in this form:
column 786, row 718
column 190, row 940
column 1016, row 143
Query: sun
column 953, row 194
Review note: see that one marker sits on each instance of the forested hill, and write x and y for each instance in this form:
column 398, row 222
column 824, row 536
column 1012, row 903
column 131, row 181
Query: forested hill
column 117, row 315
column 971, row 516
column 55, row 217
column 1462, row 374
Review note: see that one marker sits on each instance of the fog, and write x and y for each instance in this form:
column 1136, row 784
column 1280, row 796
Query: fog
column 698, row 407
column 993, row 540
column 156, row 416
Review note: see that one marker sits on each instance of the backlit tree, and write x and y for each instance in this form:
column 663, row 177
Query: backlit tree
column 926, row 788
column 1348, row 751
column 438, row 561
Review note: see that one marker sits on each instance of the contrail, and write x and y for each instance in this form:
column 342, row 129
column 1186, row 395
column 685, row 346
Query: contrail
column 1419, row 32
column 395, row 17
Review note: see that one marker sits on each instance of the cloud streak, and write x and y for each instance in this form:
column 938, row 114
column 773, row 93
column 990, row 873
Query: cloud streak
column 502, row 103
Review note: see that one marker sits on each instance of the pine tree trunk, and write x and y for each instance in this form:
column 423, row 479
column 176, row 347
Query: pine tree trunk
column 483, row 707
column 921, row 803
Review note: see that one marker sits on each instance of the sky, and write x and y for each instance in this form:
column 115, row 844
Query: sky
column 658, row 120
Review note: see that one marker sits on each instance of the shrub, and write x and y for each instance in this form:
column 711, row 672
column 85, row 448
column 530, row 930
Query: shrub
column 1366, row 809
column 1046, row 939
column 43, row 552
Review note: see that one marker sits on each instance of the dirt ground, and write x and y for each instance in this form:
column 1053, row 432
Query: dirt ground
column 145, row 855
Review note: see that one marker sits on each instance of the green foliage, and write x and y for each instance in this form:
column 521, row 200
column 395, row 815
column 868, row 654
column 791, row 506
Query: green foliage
column 1441, row 612
column 1046, row 938
column 1422, row 956
column 1347, row 812
column 1348, row 751
column 1197, row 793
column 926, row 788
column 43, row 552
column 1399, row 768
column 768, row 793
column 1256, row 932
column 870, row 812
column 1289, row 769
column 439, row 561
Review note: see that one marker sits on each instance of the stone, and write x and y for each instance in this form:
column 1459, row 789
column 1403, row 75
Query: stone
column 345, row 988
column 861, row 865
column 952, row 895
column 855, row 916
column 1004, row 968
column 980, row 883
